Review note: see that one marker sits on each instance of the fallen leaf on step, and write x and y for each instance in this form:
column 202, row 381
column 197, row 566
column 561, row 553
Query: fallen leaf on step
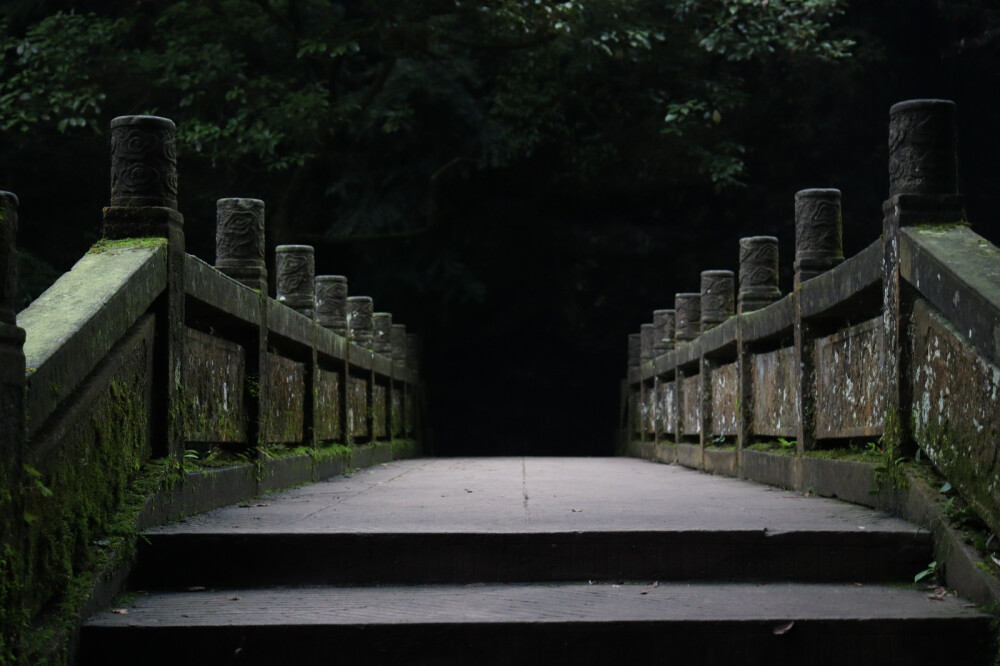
column 196, row 588
column 783, row 629
column 234, row 598
column 120, row 611
column 938, row 594
column 577, row 510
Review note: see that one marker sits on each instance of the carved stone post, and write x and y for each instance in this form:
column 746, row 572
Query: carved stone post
column 295, row 283
column 758, row 273
column 819, row 242
column 331, row 303
column 381, row 333
column 663, row 327
column 687, row 308
column 144, row 204
column 923, row 189
column 239, row 241
column 13, row 426
column 359, row 320
column 646, row 342
column 717, row 298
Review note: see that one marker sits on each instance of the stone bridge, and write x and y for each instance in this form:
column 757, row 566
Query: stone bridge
column 147, row 385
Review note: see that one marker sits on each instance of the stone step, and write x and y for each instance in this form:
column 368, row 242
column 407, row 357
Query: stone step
column 689, row 623
column 262, row 558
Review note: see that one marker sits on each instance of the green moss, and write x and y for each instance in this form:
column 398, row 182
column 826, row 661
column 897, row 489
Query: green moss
column 111, row 246
column 780, row 446
column 889, row 473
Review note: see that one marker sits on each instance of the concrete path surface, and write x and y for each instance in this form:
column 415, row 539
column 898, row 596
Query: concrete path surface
column 525, row 495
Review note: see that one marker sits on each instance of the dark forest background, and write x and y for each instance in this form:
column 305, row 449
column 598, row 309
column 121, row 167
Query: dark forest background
column 521, row 183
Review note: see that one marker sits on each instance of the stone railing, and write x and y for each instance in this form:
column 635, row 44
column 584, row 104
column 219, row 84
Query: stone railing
column 144, row 353
column 897, row 345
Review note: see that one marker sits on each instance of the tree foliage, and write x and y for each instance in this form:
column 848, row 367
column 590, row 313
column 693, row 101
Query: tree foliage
column 358, row 107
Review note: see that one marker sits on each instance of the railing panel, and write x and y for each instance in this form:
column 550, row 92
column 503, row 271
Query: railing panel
column 775, row 393
column 725, row 399
column 284, row 407
column 214, row 387
column 327, row 405
column 850, row 390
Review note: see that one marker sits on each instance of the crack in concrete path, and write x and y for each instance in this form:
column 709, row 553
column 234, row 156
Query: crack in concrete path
column 524, row 491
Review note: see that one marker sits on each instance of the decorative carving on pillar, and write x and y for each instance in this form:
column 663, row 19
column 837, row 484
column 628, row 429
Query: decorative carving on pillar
column 922, row 147
column 331, row 303
column 819, row 242
column 687, row 308
column 634, row 350
column 143, row 162
column 381, row 333
column 239, row 241
column 663, row 327
column 646, row 341
column 758, row 273
column 295, row 266
column 359, row 320
column 8, row 257
column 397, row 338
column 717, row 298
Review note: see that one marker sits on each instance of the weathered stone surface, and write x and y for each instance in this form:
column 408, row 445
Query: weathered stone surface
column 687, row 307
column 379, row 411
column 955, row 415
column 758, row 285
column 719, row 461
column 295, row 282
column 848, row 289
column 77, row 321
column 689, row 455
column 360, row 329
column 8, row 256
column 287, row 324
column 634, row 413
column 212, row 396
column 725, row 399
column 647, row 338
column 774, row 321
column 850, row 395
column 769, row 468
column 284, row 405
column 382, row 333
column 143, row 162
column 326, row 408
column 717, row 298
column 650, row 409
column 720, row 340
column 958, row 272
column 922, row 147
column 667, row 410
column 663, row 331
column 396, row 412
column 691, row 409
column 775, row 393
column 330, row 347
column 819, row 244
column 239, row 241
column 357, row 407
column 221, row 292
column 331, row 303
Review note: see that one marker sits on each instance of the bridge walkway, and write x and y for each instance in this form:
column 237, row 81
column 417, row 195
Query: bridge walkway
column 493, row 560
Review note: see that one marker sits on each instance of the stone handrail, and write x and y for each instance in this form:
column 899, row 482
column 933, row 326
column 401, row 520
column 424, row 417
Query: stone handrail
column 142, row 353
column 898, row 344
